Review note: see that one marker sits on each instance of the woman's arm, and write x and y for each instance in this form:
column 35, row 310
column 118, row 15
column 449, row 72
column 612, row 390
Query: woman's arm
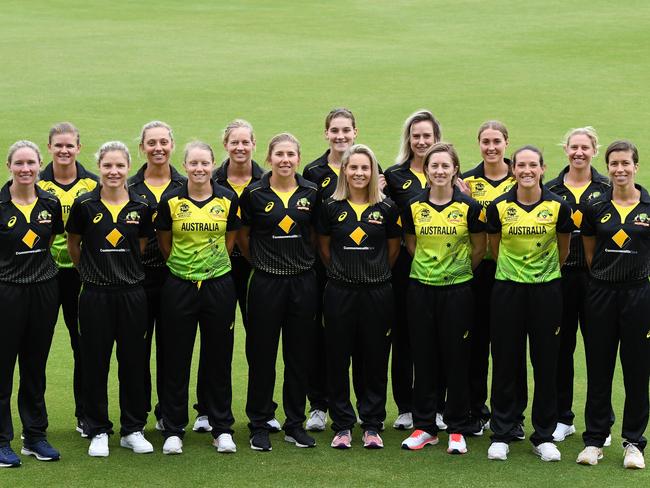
column 495, row 240
column 324, row 248
column 563, row 240
column 589, row 243
column 411, row 243
column 479, row 246
column 393, row 250
column 231, row 237
column 164, row 242
column 243, row 240
column 74, row 247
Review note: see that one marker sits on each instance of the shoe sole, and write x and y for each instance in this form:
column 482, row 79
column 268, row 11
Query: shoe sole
column 5, row 465
column 456, row 451
column 171, row 452
column 497, row 458
column 587, row 462
column 137, row 451
column 419, row 446
column 342, row 447
column 261, row 449
column 28, row 452
column 81, row 432
column 98, row 454
column 288, row 438
column 546, row 459
column 402, row 426
column 227, row 450
column 314, row 428
column 634, row 466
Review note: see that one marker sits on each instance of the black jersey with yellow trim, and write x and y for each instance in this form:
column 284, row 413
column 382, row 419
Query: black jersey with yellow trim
column 359, row 243
column 622, row 253
column 528, row 250
column 152, row 258
column 198, row 231
column 402, row 184
column 220, row 175
column 280, row 236
column 25, row 243
column 598, row 186
column 110, row 249
column 443, row 252
column 83, row 183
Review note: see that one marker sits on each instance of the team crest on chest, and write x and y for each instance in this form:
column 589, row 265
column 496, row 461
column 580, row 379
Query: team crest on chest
column 376, row 217
column 455, row 217
column 183, row 211
column 217, row 210
column 132, row 217
column 544, row 216
column 80, row 192
column 511, row 215
column 478, row 189
column 303, row 204
column 44, row 217
column 423, row 216
column 642, row 219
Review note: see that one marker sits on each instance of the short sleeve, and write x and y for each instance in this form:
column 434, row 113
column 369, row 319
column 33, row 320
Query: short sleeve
column 565, row 223
column 393, row 221
column 234, row 222
column 476, row 218
column 407, row 220
column 163, row 217
column 493, row 222
column 146, row 223
column 76, row 219
column 323, row 226
column 588, row 225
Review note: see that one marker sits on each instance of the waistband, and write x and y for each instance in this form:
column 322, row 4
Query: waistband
column 358, row 286
column 626, row 285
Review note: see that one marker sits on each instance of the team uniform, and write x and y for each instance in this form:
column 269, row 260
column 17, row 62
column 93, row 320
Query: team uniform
column 68, row 276
column 526, row 300
column 199, row 290
column 29, row 299
column 484, row 190
column 155, row 274
column 112, row 305
column 441, row 305
column 403, row 184
column 575, row 277
column 617, row 311
column 282, row 295
column 358, row 306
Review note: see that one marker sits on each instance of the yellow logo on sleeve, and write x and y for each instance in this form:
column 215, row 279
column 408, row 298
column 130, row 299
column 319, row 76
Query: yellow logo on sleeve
column 407, row 184
column 98, row 217
column 605, row 218
column 342, row 216
column 12, row 222
column 326, row 182
column 269, row 207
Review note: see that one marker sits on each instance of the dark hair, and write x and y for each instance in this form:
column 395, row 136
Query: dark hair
column 339, row 112
column 442, row 147
column 622, row 145
column 495, row 125
column 513, row 158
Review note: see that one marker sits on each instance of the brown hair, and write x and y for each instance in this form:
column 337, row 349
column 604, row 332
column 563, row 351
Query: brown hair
column 494, row 125
column 622, row 145
column 405, row 152
column 62, row 128
column 283, row 137
column 339, row 112
column 442, row 147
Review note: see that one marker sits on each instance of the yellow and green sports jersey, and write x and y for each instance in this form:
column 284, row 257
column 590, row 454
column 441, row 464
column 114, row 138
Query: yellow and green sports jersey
column 443, row 253
column 66, row 194
column 198, row 232
column 528, row 250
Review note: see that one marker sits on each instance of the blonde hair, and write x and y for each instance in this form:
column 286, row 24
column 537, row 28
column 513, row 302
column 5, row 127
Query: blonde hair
column 197, row 145
column 238, row 124
column 405, row 151
column 113, row 146
column 342, row 191
column 62, row 128
column 153, row 125
column 283, row 137
column 588, row 131
column 21, row 144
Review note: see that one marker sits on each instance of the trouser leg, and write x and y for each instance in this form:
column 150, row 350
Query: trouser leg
column 318, row 388
column 402, row 360
column 154, row 280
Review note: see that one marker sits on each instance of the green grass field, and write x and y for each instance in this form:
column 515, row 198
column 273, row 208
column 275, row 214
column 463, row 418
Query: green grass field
column 109, row 67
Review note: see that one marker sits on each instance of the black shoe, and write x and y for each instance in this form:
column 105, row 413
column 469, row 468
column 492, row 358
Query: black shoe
column 299, row 437
column 518, row 433
column 260, row 441
column 477, row 427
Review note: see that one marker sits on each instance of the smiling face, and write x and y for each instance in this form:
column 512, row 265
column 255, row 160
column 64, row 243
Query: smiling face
column 64, row 149
column 284, row 159
column 240, row 145
column 528, row 169
column 440, row 170
column 340, row 134
column 358, row 171
column 24, row 166
column 493, row 145
column 580, row 151
column 198, row 165
column 157, row 145
column 421, row 138
column 113, row 169
column 621, row 168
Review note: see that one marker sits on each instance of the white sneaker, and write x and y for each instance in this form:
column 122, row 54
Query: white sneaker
column 562, row 431
column 498, row 451
column 547, row 451
column 201, row 424
column 317, row 421
column 590, row 456
column 224, row 443
column 440, row 422
column 608, row 441
column 99, row 445
column 418, row 440
column 457, row 444
column 274, row 425
column 173, row 445
column 404, row 421
column 633, row 457
column 137, row 443
column 160, row 426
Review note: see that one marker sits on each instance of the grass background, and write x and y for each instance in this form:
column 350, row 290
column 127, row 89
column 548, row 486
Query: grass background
column 109, row 67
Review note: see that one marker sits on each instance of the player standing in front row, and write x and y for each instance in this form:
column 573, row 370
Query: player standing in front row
column 278, row 213
column 359, row 239
column 616, row 236
column 29, row 298
column 67, row 179
column 108, row 230
column 444, row 231
column 529, row 231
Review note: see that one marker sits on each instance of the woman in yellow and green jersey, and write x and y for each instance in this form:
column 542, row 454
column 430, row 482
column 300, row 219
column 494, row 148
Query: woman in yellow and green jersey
column 445, row 232
column 529, row 230
column 196, row 226
column 67, row 179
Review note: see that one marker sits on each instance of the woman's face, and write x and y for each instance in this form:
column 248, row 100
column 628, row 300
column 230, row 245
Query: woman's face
column 284, row 159
column 421, row 138
column 199, row 165
column 157, row 146
column 358, row 171
column 24, row 166
column 580, row 150
column 493, row 146
column 340, row 134
column 64, row 149
column 240, row 145
column 440, row 170
column 114, row 169
column 527, row 169
column 621, row 168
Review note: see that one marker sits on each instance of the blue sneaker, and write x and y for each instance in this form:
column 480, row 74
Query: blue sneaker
column 41, row 450
column 8, row 458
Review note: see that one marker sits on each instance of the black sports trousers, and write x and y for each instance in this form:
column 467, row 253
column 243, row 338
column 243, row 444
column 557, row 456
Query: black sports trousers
column 288, row 304
column 617, row 314
column 210, row 304
column 29, row 314
column 440, row 325
column 152, row 284
column 110, row 315
column 521, row 310
column 357, row 318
